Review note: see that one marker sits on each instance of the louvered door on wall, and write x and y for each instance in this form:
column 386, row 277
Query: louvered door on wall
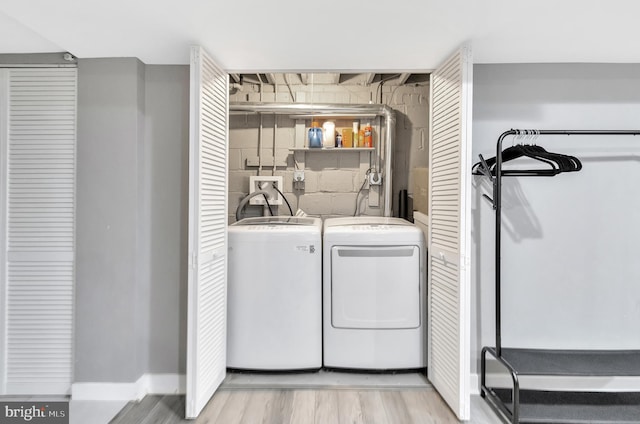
column 38, row 155
column 207, row 297
column 449, row 278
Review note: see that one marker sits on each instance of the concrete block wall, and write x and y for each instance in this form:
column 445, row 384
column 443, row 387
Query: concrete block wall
column 332, row 179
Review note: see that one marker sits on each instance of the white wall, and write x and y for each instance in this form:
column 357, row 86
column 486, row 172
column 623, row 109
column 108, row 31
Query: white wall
column 570, row 243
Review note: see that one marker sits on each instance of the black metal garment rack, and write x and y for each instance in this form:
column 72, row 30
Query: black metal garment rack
column 565, row 407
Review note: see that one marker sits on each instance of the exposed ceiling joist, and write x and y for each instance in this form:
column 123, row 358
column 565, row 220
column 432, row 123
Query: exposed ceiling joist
column 271, row 78
column 320, row 78
column 369, row 79
column 403, row 78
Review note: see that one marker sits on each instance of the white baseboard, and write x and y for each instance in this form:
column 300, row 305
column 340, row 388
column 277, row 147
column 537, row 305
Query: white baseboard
column 104, row 391
column 146, row 385
column 165, row 384
column 474, row 385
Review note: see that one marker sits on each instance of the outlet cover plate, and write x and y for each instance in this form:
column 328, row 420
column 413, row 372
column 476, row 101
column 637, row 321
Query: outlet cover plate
column 375, row 178
column 265, row 183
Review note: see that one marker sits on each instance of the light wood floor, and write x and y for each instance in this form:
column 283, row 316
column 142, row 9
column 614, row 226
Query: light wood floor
column 268, row 406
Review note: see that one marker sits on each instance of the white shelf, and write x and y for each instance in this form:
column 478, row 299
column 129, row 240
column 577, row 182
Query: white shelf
column 332, row 149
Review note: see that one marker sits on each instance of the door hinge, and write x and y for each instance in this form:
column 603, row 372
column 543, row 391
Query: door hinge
column 193, row 259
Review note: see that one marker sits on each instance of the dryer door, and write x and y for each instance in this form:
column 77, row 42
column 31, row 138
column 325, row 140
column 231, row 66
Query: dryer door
column 375, row 287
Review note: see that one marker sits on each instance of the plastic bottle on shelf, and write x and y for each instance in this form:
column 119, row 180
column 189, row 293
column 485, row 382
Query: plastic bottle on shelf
column 355, row 142
column 329, row 128
column 368, row 136
column 347, row 137
column 361, row 137
column 315, row 135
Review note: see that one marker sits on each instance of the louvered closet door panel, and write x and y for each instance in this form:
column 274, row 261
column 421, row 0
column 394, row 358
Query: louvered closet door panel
column 207, row 330
column 449, row 344
column 40, row 230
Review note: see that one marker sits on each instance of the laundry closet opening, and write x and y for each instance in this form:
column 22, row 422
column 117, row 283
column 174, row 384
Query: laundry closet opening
column 375, row 270
column 341, row 287
column 320, row 182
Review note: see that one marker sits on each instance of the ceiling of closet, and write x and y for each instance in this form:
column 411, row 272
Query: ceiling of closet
column 330, row 78
column 332, row 35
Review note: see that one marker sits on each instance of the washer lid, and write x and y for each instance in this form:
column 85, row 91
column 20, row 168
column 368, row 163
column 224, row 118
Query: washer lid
column 277, row 220
column 365, row 221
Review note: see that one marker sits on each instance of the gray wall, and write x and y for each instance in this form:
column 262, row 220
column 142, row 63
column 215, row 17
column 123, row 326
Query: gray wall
column 132, row 161
column 108, row 289
column 167, row 137
column 571, row 242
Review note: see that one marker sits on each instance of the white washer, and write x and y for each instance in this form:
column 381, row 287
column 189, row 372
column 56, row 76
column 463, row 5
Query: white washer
column 374, row 294
column 275, row 294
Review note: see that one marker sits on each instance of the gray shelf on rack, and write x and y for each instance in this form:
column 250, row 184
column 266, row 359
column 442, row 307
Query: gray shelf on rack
column 574, row 362
column 576, row 408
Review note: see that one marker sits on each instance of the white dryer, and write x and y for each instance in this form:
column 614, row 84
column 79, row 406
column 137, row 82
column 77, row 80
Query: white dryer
column 275, row 294
column 374, row 294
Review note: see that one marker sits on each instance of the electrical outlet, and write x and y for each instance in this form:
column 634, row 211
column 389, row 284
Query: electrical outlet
column 298, row 180
column 266, row 184
column 375, row 178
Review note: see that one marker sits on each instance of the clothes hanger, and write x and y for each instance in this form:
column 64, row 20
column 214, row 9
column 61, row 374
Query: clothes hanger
column 557, row 162
column 516, row 151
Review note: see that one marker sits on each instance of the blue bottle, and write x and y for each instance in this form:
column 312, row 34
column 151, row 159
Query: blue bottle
column 315, row 137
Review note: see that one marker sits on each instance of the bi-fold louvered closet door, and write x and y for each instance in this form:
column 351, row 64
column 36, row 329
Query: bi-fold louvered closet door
column 207, row 281
column 449, row 233
column 37, row 212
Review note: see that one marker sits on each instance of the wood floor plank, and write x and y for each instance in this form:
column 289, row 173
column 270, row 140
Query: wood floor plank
column 213, row 408
column 349, row 407
column 418, row 409
column 439, row 408
column 135, row 412
column 326, row 407
column 303, row 408
column 373, row 411
column 287, row 406
column 233, row 408
column 257, row 405
column 168, row 410
column 395, row 407
column 281, row 407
